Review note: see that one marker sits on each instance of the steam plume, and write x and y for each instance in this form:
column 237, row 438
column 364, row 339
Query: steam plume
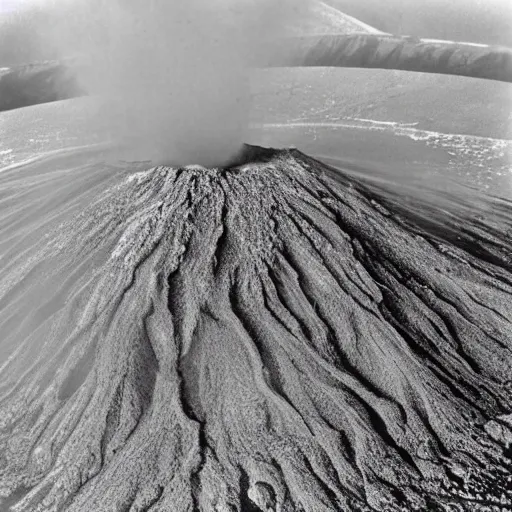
column 172, row 75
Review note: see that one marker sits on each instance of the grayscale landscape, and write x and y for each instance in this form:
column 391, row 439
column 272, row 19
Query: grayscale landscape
column 255, row 256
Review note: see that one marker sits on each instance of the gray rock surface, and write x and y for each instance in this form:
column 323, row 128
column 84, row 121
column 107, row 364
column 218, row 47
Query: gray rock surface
column 272, row 336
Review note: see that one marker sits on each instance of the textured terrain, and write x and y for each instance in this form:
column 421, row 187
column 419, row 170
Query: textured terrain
column 273, row 336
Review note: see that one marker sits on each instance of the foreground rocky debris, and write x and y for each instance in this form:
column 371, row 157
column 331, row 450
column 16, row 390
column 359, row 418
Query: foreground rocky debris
column 271, row 336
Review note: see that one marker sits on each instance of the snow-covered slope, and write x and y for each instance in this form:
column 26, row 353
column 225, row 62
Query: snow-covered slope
column 325, row 19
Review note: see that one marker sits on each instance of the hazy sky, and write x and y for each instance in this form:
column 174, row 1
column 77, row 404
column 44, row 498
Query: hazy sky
column 8, row 5
column 13, row 5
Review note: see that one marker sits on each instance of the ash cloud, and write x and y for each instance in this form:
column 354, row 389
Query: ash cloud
column 172, row 75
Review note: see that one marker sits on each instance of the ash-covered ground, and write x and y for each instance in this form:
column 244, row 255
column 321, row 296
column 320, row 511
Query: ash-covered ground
column 272, row 336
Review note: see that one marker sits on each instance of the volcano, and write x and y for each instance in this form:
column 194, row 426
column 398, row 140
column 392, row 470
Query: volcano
column 270, row 336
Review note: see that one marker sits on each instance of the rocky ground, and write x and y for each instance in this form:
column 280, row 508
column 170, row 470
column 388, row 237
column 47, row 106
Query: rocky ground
column 272, row 336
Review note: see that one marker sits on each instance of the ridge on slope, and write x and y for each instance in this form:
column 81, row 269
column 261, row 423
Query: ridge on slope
column 266, row 337
column 397, row 53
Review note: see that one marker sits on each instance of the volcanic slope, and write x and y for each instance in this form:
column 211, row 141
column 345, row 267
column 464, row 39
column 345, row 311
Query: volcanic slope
column 270, row 336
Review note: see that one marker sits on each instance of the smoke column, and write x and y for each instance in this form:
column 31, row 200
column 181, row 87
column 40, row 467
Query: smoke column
column 172, row 75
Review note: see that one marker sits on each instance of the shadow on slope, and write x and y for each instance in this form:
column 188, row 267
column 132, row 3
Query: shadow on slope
column 37, row 83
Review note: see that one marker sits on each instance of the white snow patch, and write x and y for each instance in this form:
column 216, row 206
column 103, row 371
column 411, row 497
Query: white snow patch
column 479, row 45
column 195, row 167
column 385, row 123
column 139, row 176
